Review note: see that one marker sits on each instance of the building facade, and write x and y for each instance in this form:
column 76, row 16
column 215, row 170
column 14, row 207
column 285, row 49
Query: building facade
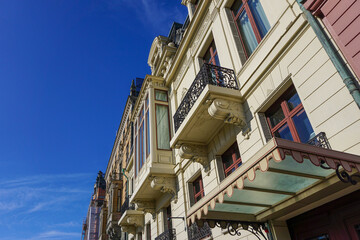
column 92, row 226
column 247, row 128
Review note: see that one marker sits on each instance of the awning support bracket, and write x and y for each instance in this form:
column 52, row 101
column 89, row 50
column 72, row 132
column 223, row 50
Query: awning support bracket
column 235, row 228
column 345, row 177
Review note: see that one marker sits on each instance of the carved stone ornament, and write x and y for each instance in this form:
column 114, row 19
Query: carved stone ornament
column 146, row 206
column 129, row 229
column 196, row 153
column 114, row 232
column 165, row 185
column 228, row 111
column 137, row 220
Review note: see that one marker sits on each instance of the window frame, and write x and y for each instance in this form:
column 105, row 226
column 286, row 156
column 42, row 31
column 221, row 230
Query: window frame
column 245, row 7
column 168, row 113
column 288, row 114
column 235, row 162
column 201, row 192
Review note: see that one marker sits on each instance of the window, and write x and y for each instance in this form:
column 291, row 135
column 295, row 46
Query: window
column 148, row 231
column 251, row 23
column 161, row 95
column 287, row 118
column 142, row 136
column 162, row 126
column 119, row 200
column 211, row 56
column 198, row 189
column 231, row 159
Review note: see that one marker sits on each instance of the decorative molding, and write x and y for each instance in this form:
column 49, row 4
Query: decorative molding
column 228, row 111
column 196, row 153
column 164, row 185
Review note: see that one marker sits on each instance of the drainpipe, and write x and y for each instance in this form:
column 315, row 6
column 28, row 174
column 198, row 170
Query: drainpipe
column 345, row 73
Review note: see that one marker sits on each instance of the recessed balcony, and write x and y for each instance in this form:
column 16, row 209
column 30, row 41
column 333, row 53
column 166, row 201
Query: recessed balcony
column 212, row 100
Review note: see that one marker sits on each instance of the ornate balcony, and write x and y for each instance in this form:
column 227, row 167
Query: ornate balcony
column 196, row 233
column 212, row 101
column 126, row 205
column 167, row 235
column 208, row 74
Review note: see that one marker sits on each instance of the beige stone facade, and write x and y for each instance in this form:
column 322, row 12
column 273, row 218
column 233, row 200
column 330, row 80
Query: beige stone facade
column 189, row 115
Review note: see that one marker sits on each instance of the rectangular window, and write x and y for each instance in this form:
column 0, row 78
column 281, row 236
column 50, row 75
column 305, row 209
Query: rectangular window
column 162, row 127
column 147, row 134
column 119, row 200
column 251, row 23
column 148, row 231
column 198, row 189
column 287, row 118
column 141, row 146
column 161, row 95
column 231, row 159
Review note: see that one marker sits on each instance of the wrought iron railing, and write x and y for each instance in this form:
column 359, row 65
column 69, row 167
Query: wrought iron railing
column 167, row 235
column 126, row 205
column 320, row 140
column 196, row 233
column 208, row 74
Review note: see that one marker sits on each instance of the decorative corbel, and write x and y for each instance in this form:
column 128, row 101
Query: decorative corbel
column 129, row 229
column 146, row 207
column 196, row 153
column 229, row 111
column 136, row 220
column 164, row 185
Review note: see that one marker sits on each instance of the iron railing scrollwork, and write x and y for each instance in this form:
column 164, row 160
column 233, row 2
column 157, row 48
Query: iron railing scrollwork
column 208, row 74
column 320, row 140
column 126, row 205
column 167, row 235
column 196, row 233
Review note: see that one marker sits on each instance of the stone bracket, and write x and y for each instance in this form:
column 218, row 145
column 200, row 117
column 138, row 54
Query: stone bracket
column 196, row 153
column 146, row 207
column 229, row 111
column 164, row 185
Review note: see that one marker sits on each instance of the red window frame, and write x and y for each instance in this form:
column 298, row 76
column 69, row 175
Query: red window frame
column 212, row 51
column 201, row 192
column 288, row 114
column 245, row 7
column 233, row 150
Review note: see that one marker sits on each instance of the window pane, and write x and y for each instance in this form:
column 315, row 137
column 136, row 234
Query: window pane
column 161, row 95
column 293, row 101
column 147, row 133
column 260, row 18
column 162, row 127
column 321, row 237
column 236, row 7
column 276, row 117
column 197, row 186
column 303, row 126
column 247, row 33
column 284, row 132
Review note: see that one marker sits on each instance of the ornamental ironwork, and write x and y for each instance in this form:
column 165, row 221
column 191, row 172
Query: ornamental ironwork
column 347, row 178
column 196, row 233
column 320, row 140
column 169, row 234
column 208, row 74
column 236, row 228
column 126, row 205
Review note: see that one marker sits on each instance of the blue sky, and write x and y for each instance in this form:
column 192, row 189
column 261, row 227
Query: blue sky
column 65, row 72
